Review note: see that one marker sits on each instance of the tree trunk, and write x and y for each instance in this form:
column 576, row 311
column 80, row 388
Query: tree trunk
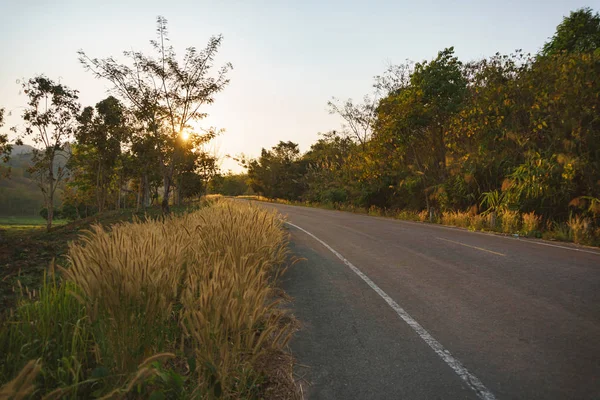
column 98, row 189
column 166, row 194
column 50, row 195
column 146, row 194
column 139, row 194
column 120, row 186
column 441, row 154
column 427, row 205
column 179, row 185
column 167, row 181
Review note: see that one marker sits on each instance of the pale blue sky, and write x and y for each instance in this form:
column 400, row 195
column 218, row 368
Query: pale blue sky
column 289, row 57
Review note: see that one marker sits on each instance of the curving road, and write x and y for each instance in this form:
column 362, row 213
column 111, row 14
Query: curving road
column 402, row 310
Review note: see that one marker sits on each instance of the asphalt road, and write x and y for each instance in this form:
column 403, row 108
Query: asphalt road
column 520, row 317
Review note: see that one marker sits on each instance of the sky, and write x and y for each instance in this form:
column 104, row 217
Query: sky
column 289, row 57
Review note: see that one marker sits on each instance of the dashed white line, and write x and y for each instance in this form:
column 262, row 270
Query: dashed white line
column 471, row 380
column 473, row 247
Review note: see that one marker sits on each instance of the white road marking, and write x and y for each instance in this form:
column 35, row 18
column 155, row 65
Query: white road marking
column 473, row 247
column 471, row 380
column 487, row 233
column 555, row 245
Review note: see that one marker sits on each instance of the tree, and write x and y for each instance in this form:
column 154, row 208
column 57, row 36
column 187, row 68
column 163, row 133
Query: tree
column 167, row 95
column 229, row 184
column 278, row 172
column 51, row 120
column 327, row 177
column 358, row 117
column 102, row 132
column 577, row 33
column 411, row 126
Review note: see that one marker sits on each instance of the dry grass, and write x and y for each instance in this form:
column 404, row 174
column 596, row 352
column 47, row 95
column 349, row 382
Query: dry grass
column 408, row 215
column 199, row 288
column 580, row 229
column 456, row 218
column 531, row 222
column 21, row 387
column 478, row 222
column 511, row 221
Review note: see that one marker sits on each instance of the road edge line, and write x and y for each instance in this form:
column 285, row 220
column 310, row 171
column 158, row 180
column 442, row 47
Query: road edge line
column 471, row 380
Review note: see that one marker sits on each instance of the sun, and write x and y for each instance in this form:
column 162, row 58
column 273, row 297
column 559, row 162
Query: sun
column 185, row 135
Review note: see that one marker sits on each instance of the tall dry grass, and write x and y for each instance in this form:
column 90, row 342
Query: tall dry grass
column 22, row 386
column 580, row 229
column 199, row 286
column 456, row 218
column 511, row 221
column 531, row 222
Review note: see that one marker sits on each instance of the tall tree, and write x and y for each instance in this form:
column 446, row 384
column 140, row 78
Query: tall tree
column 51, row 121
column 166, row 94
column 577, row 33
column 102, row 133
column 412, row 122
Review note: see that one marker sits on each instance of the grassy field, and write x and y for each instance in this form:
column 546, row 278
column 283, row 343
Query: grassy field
column 28, row 221
column 183, row 307
column 19, row 225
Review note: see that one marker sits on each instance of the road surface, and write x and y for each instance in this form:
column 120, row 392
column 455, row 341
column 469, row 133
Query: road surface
column 440, row 313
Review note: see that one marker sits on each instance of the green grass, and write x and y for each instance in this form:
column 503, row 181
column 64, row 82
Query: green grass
column 27, row 221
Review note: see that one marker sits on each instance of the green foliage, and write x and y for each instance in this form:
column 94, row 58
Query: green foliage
column 230, row 184
column 278, row 172
column 94, row 165
column 579, row 32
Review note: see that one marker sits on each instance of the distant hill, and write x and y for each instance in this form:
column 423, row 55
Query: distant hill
column 20, row 195
column 22, row 149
